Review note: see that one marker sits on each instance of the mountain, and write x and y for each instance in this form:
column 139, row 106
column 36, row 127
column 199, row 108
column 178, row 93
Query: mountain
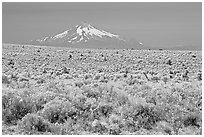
column 85, row 35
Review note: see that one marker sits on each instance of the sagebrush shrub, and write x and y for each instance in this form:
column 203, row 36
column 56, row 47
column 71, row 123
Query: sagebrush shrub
column 164, row 127
column 58, row 111
column 63, row 128
column 147, row 117
column 33, row 122
column 143, row 115
column 89, row 93
column 5, row 79
column 190, row 130
column 41, row 98
column 112, row 95
column 99, row 127
column 102, row 110
column 15, row 108
column 192, row 119
column 116, row 124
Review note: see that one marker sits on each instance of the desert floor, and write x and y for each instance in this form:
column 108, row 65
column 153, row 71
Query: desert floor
column 56, row 91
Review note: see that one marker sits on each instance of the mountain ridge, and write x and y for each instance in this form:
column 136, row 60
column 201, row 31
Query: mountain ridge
column 86, row 35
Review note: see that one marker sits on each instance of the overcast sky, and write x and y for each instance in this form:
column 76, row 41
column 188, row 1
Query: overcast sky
column 154, row 24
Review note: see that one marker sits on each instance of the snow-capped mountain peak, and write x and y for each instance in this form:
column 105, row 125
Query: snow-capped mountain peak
column 81, row 33
column 84, row 33
column 90, row 30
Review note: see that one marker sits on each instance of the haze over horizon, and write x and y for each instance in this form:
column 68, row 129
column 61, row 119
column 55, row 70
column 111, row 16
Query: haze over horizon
column 153, row 24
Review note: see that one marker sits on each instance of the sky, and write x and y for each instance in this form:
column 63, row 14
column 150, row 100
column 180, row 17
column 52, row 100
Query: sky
column 154, row 24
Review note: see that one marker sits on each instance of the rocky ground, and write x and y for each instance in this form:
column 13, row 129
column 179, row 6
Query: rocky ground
column 49, row 90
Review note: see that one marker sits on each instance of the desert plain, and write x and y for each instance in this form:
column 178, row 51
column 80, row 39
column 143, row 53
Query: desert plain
column 59, row 91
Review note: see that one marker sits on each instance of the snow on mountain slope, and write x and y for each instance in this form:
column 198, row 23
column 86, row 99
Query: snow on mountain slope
column 90, row 30
column 85, row 34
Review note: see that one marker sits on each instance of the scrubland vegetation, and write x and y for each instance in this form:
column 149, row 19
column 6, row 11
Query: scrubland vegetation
column 59, row 91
